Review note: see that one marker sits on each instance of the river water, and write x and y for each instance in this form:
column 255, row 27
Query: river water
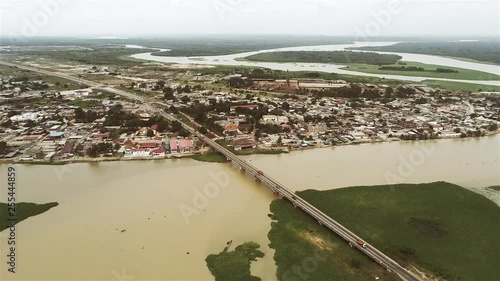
column 82, row 238
column 333, row 68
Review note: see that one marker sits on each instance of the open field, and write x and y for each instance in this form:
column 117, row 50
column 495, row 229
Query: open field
column 429, row 71
column 23, row 211
column 434, row 227
column 459, row 86
column 55, row 83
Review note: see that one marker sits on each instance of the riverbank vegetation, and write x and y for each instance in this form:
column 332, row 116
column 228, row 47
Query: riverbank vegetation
column 211, row 157
column 484, row 51
column 22, row 212
column 326, row 57
column 438, row 227
column 234, row 265
column 423, row 70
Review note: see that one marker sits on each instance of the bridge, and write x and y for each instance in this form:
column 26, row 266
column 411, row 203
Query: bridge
column 274, row 185
column 321, row 217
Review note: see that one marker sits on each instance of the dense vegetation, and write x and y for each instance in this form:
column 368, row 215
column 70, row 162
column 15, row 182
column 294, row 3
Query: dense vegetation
column 23, row 211
column 440, row 227
column 212, row 157
column 97, row 56
column 487, row 51
column 201, row 45
column 326, row 57
column 235, row 265
column 423, row 70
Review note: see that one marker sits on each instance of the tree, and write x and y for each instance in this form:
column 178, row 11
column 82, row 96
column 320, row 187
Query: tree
column 169, row 93
column 176, row 126
column 203, row 130
column 493, row 127
column 114, row 135
column 285, row 106
column 150, row 133
column 3, row 147
column 185, row 99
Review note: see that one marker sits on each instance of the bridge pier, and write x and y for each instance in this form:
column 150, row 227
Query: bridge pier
column 320, row 223
column 242, row 169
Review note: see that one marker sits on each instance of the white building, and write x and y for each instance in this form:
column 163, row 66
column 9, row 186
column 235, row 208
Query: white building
column 24, row 117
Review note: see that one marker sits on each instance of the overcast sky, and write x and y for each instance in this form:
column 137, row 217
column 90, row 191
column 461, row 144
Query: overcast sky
column 327, row 17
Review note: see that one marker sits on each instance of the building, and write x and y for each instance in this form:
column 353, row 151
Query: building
column 240, row 144
column 181, row 146
column 160, row 152
column 138, row 152
column 231, row 130
column 248, row 106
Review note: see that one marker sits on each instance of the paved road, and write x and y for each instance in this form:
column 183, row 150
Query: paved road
column 277, row 187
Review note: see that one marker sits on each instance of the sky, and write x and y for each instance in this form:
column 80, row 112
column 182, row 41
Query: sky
column 122, row 18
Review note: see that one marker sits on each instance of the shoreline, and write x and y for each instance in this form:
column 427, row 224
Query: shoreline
column 275, row 151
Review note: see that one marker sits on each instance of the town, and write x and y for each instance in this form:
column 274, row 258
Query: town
column 58, row 122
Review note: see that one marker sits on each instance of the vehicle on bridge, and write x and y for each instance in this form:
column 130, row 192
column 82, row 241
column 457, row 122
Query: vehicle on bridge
column 361, row 243
column 260, row 173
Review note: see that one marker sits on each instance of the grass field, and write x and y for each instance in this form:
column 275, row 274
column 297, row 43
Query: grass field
column 235, row 265
column 429, row 71
column 85, row 103
column 23, row 211
column 459, row 86
column 439, row 227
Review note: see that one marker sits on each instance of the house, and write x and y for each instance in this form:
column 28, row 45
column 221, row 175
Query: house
column 236, row 119
column 160, row 152
column 248, row 106
column 246, row 128
column 147, row 145
column 138, row 152
column 240, row 144
column 231, row 130
column 181, row 146
column 273, row 119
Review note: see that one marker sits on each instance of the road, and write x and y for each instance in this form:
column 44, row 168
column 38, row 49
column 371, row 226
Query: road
column 275, row 186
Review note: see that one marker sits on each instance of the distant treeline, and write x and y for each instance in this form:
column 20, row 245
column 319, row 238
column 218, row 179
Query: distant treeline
column 414, row 68
column 402, row 68
column 326, row 57
column 487, row 51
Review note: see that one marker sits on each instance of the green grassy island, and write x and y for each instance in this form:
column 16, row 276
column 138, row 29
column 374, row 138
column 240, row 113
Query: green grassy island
column 439, row 228
column 235, row 265
column 326, row 57
column 23, row 211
